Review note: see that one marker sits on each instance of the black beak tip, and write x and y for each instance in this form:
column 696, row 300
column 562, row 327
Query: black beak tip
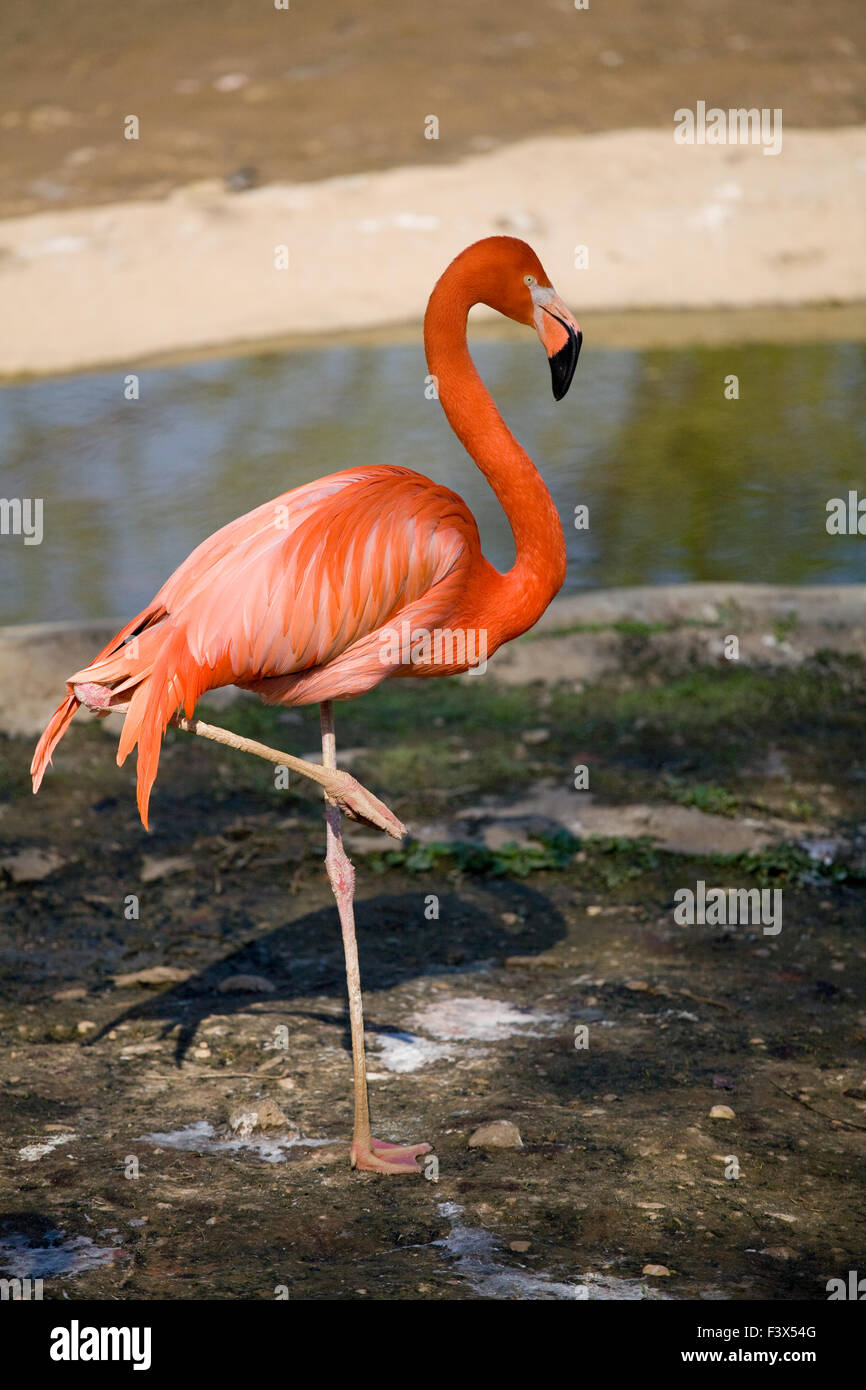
column 563, row 363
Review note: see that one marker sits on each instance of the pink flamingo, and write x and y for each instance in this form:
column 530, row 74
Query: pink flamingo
column 300, row 599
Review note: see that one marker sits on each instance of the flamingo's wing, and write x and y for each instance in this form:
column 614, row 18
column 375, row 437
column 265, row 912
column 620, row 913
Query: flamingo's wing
column 297, row 582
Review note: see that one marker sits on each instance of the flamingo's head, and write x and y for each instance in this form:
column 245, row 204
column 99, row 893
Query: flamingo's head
column 512, row 280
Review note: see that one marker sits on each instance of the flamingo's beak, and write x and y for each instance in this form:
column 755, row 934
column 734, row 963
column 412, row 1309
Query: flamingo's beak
column 560, row 337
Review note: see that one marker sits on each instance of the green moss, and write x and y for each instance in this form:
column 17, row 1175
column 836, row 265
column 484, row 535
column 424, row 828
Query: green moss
column 709, row 797
column 788, row 865
column 548, row 852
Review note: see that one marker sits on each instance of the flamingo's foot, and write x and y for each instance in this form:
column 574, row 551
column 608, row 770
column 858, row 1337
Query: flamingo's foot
column 99, row 699
column 362, row 806
column 382, row 1157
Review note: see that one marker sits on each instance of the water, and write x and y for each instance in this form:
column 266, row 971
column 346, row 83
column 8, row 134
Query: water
column 681, row 483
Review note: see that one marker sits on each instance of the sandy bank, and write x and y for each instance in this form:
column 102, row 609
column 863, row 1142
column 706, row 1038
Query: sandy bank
column 665, row 226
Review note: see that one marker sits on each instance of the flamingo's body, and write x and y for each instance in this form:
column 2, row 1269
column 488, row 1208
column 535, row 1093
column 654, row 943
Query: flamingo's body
column 298, row 600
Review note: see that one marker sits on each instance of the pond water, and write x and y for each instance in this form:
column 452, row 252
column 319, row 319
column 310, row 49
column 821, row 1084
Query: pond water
column 681, row 483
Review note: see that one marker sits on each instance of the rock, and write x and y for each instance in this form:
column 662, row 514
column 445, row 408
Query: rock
column 246, row 984
column 656, row 1271
column 495, row 837
column 520, row 1247
column 779, row 1252
column 31, row 865
column 231, row 81
column 242, row 179
column 86, row 1025
column 73, row 992
column 140, row 1049
column 498, row 1134
column 154, row 866
column 259, row 1115
column 547, row 805
column 722, row 1112
column 532, row 736
column 155, row 975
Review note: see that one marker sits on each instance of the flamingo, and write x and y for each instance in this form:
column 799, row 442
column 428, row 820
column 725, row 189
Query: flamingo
column 299, row 599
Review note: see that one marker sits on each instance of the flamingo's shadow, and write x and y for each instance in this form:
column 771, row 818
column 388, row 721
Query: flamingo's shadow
column 396, row 943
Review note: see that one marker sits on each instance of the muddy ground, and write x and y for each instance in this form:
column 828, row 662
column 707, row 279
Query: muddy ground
column 471, row 1018
column 251, row 93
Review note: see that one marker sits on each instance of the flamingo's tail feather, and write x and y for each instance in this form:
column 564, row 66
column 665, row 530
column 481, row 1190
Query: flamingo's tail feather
column 51, row 736
column 148, row 665
column 173, row 680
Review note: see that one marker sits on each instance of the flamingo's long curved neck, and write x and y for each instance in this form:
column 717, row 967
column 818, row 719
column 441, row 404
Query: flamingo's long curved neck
column 539, row 568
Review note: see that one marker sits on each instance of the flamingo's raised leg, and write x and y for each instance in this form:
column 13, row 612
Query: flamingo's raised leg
column 368, row 1153
column 344, row 790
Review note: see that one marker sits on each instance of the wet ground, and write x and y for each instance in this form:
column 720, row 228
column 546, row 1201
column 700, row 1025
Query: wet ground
column 122, row 1175
column 256, row 94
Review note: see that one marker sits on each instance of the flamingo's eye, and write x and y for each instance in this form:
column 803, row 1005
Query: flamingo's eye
column 530, row 280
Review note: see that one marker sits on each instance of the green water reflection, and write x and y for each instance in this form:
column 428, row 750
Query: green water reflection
column 681, row 483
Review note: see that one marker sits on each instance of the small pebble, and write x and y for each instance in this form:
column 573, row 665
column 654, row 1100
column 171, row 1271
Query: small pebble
column 31, row 865
column 499, row 1134
column 155, row 867
column 259, row 1114
column 242, row 179
column 231, row 81
column 722, row 1112
column 156, row 975
column 246, row 984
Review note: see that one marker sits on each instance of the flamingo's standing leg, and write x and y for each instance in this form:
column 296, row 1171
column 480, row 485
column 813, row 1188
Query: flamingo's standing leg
column 367, row 1152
